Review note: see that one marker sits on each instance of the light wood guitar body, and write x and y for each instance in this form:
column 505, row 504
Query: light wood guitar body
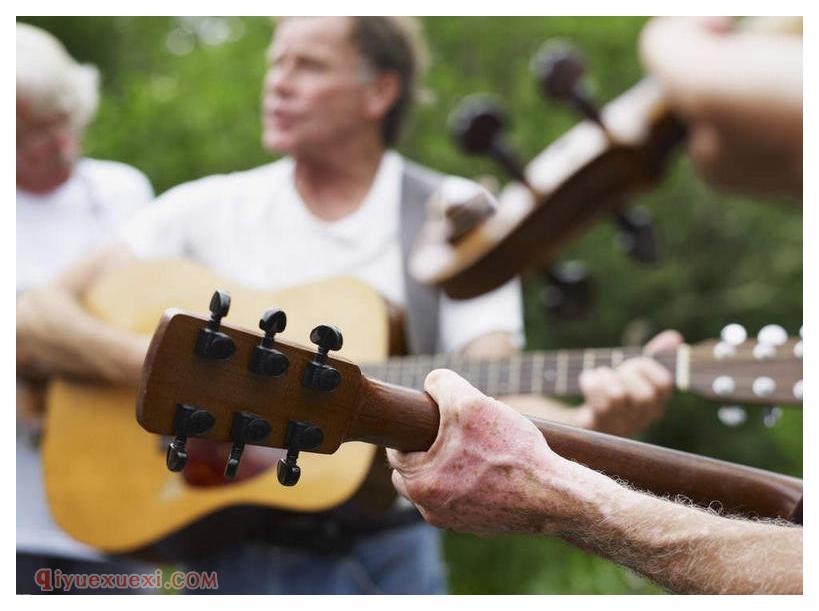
column 105, row 477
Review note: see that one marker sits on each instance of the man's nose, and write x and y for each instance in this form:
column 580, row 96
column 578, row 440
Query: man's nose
column 279, row 80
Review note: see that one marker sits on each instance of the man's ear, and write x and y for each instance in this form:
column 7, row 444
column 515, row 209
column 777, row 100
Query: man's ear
column 384, row 91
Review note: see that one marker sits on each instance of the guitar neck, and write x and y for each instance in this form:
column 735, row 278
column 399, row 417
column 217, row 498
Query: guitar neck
column 406, row 419
column 550, row 373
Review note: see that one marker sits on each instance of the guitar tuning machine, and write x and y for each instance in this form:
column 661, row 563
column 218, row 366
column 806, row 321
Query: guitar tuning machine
column 246, row 428
column 771, row 416
column 772, row 335
column 298, row 436
column 559, row 70
column 265, row 359
column 732, row 415
column 568, row 291
column 731, row 337
column 210, row 342
column 318, row 375
column 637, row 236
column 478, row 125
column 188, row 421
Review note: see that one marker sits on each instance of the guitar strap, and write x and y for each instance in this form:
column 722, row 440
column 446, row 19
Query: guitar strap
column 422, row 302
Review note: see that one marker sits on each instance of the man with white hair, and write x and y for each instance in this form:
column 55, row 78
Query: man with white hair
column 66, row 206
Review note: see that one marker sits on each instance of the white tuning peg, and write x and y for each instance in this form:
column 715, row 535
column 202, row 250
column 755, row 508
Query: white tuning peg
column 734, row 334
column 723, row 350
column 763, row 386
column 764, row 351
column 723, row 386
column 772, row 335
column 800, row 333
column 771, row 415
column 732, row 415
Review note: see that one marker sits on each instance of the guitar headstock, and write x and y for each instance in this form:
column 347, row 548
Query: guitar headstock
column 590, row 171
column 204, row 378
column 734, row 369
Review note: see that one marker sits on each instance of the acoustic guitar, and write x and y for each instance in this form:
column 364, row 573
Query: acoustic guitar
column 105, row 477
column 207, row 379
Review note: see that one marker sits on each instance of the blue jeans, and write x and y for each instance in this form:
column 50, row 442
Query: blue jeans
column 402, row 560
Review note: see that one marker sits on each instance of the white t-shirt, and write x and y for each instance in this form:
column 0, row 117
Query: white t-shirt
column 253, row 227
column 53, row 231
column 57, row 228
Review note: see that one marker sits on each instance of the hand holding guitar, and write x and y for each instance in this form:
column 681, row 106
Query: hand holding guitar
column 625, row 400
column 489, row 471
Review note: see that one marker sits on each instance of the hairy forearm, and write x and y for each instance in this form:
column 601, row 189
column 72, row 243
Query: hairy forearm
column 57, row 336
column 685, row 549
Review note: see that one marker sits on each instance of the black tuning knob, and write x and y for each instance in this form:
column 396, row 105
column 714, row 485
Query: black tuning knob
column 478, row 125
column 298, row 436
column 266, row 360
column 188, row 421
column 212, row 343
column 637, row 236
column 559, row 72
column 317, row 374
column 246, row 428
column 568, row 293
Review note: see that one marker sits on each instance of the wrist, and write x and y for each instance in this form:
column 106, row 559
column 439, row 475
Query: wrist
column 574, row 498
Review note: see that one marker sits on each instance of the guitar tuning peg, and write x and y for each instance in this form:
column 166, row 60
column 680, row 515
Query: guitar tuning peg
column 266, row 360
column 246, row 428
column 559, row 71
column 772, row 335
column 187, row 421
column 800, row 333
column 637, row 236
column 298, row 436
column 317, row 374
column 733, row 334
column 478, row 126
column 568, row 293
column 210, row 342
column 771, row 416
column 732, row 415
column 462, row 204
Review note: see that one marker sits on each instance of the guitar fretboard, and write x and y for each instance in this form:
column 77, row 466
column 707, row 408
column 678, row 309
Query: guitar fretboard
column 549, row 373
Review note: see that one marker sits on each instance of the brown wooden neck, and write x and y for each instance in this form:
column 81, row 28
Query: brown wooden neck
column 407, row 420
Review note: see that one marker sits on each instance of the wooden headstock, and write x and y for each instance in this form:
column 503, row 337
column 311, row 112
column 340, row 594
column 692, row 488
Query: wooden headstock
column 305, row 401
column 591, row 170
column 174, row 374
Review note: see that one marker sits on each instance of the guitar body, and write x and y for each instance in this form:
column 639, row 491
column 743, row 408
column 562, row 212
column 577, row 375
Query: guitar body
column 105, row 477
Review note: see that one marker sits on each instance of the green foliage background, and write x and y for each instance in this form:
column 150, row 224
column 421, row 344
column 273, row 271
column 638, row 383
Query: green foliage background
column 725, row 258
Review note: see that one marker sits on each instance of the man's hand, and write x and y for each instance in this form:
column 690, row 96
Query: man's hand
column 740, row 91
column 625, row 400
column 490, row 470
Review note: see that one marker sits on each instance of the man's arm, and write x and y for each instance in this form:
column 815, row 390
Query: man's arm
column 490, row 471
column 55, row 334
column 620, row 401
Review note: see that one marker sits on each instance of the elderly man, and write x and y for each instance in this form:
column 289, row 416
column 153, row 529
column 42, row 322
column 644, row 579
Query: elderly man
column 66, row 207
column 745, row 134
column 342, row 201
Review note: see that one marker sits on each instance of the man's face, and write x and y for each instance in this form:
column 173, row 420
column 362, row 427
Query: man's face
column 317, row 89
column 47, row 148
